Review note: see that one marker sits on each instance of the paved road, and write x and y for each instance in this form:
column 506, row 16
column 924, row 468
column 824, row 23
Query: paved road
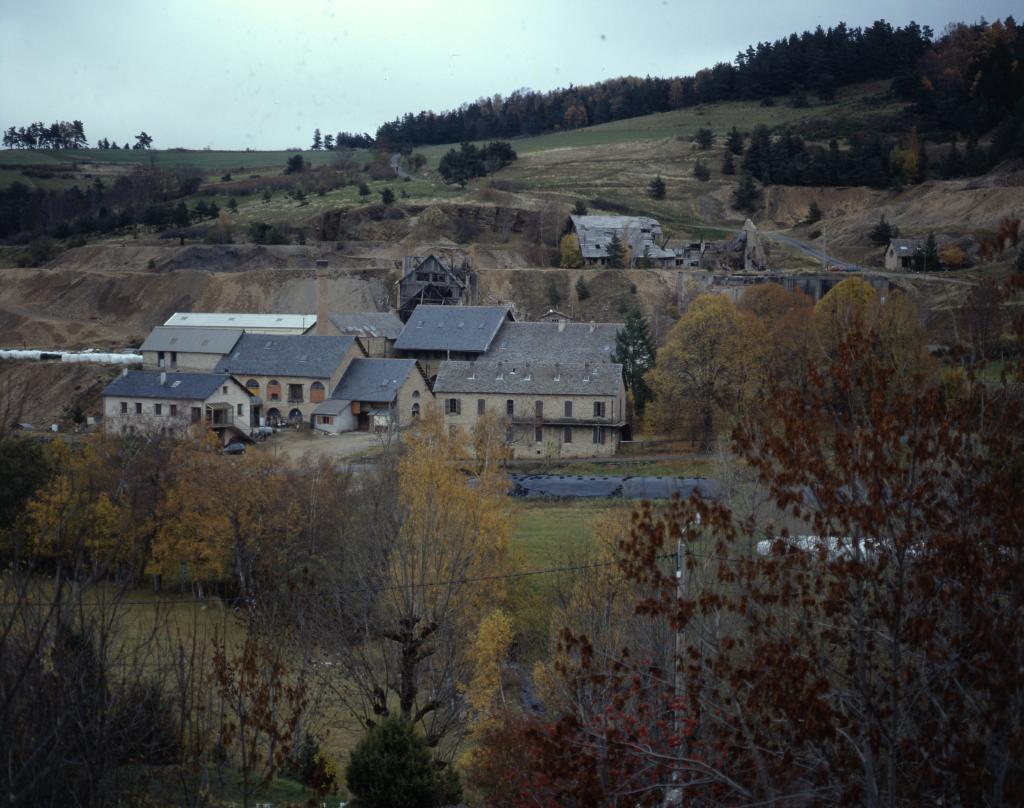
column 396, row 164
column 811, row 250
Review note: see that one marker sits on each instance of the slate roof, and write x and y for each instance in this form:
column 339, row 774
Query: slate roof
column 532, row 378
column 373, row 379
column 451, row 328
column 905, row 246
column 302, row 355
column 566, row 342
column 191, row 339
column 636, row 232
column 297, row 323
column 368, row 324
column 331, row 406
column 183, row 386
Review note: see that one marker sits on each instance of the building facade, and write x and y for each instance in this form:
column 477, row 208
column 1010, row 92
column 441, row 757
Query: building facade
column 373, row 395
column 549, row 409
column 168, row 404
column 290, row 374
column 899, row 256
column 195, row 348
column 432, row 281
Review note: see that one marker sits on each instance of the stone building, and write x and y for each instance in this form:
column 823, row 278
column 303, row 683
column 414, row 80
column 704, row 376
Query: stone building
column 375, row 395
column 900, row 253
column 550, row 409
column 377, row 330
column 195, row 348
column 437, row 333
column 290, row 373
column 157, row 402
column 639, row 236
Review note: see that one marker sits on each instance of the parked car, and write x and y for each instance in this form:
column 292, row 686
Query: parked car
column 235, row 448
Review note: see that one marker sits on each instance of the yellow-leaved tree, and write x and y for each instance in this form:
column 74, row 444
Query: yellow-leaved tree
column 221, row 518
column 426, row 551
column 74, row 519
column 709, row 369
column 569, row 252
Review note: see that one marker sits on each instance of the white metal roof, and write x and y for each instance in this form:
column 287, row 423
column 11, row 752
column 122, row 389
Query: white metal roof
column 257, row 323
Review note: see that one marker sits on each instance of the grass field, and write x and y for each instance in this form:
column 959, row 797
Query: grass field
column 172, row 158
column 854, row 101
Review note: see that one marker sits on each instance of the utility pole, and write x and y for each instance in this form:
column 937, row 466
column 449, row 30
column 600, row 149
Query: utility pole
column 674, row 795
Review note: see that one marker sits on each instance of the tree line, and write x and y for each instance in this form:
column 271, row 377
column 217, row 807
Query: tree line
column 37, row 135
column 816, row 61
column 342, row 140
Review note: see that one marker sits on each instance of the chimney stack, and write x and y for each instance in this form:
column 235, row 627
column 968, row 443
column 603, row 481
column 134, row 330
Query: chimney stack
column 322, row 327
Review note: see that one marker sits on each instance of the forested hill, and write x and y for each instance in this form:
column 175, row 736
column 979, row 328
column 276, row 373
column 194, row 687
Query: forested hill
column 968, row 80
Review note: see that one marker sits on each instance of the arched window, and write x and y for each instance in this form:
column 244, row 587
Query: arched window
column 416, row 410
column 273, row 415
column 274, row 390
column 253, row 386
column 295, row 415
column 415, row 393
column 317, row 392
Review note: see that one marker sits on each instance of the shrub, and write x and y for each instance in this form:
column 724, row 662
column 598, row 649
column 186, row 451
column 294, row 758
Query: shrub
column 582, row 292
column 391, row 766
column 701, row 171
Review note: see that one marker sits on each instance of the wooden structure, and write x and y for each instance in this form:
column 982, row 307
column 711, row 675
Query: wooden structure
column 433, row 281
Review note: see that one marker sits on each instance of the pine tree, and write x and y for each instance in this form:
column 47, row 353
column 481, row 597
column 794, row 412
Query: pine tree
column 883, row 232
column 656, row 190
column 582, row 292
column 1019, row 263
column 318, row 142
column 931, row 254
column 616, row 252
column 701, row 172
column 813, row 212
column 635, row 351
column 728, row 164
column 953, row 163
column 747, row 195
column 735, row 141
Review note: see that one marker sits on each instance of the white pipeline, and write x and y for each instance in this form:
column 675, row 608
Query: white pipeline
column 74, row 356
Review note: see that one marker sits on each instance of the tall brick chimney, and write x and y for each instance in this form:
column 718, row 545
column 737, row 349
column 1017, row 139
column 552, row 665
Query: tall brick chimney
column 322, row 322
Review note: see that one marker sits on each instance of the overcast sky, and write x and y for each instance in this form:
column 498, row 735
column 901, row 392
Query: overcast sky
column 231, row 74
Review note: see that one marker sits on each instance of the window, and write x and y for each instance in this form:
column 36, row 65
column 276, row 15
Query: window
column 599, row 410
column 124, row 408
column 568, row 409
column 453, row 406
column 538, row 434
column 174, row 411
column 327, row 419
column 317, row 392
column 158, row 409
column 567, row 435
column 240, row 411
column 538, row 409
column 160, row 358
column 415, row 393
column 598, row 434
column 274, row 390
column 416, row 410
column 253, row 385
column 224, row 389
column 481, row 406
column 294, row 393
column 197, row 415
column 510, row 408
column 138, row 408
column 174, row 359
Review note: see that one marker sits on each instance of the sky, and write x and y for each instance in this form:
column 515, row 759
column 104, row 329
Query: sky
column 262, row 74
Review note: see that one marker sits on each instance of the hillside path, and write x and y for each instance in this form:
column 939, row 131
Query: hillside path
column 396, row 165
column 811, row 250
